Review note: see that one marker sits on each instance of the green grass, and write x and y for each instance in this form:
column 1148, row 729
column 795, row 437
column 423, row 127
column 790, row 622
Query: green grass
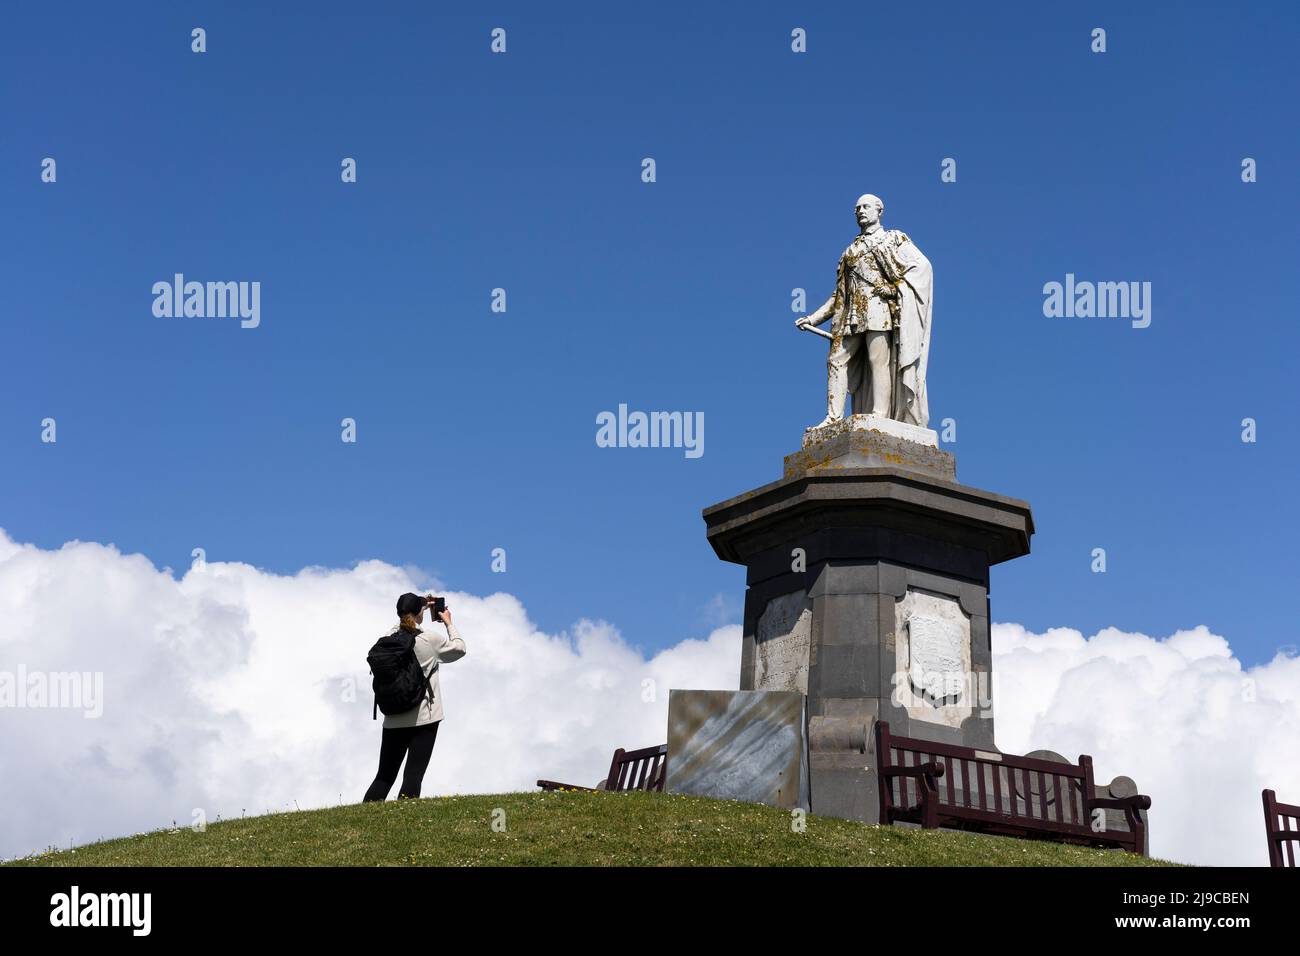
column 565, row 829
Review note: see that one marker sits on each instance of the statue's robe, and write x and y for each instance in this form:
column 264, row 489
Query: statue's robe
column 915, row 280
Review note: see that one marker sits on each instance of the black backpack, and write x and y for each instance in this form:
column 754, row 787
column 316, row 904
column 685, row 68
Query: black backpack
column 400, row 683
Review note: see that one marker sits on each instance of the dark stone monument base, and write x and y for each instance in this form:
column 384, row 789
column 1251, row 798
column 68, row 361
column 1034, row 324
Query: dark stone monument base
column 868, row 592
column 867, row 573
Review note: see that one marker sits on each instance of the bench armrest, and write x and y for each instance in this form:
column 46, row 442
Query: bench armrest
column 925, row 774
column 1130, row 806
column 930, row 769
column 552, row 785
column 1138, row 801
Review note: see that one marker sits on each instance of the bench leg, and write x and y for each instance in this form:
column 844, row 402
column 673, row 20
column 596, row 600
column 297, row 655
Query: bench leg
column 929, row 803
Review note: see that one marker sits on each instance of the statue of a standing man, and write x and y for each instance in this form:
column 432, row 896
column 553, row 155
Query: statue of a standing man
column 880, row 328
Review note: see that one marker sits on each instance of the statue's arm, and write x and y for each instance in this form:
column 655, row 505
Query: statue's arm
column 820, row 316
column 828, row 308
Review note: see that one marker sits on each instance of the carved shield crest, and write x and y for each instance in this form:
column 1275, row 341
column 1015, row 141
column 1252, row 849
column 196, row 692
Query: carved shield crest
column 935, row 660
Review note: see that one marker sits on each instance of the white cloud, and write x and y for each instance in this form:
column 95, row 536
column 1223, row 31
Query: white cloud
column 227, row 690
column 232, row 689
column 1201, row 735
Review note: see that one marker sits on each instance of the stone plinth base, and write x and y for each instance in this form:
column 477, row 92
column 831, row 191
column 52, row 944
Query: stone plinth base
column 868, row 592
column 738, row 745
column 874, row 423
column 869, row 441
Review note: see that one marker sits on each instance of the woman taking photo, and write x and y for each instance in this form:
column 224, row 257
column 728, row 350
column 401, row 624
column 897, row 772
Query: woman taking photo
column 410, row 734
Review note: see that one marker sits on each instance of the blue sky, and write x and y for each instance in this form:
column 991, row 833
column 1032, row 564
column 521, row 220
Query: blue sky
column 476, row 430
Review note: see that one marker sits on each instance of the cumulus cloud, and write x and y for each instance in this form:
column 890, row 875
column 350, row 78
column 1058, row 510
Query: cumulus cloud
column 233, row 690
column 230, row 689
column 1198, row 732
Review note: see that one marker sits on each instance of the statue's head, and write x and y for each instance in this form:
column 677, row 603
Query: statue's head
column 869, row 210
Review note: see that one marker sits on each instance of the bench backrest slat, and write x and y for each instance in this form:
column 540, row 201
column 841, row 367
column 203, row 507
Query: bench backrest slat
column 997, row 789
column 642, row 769
column 1282, row 825
column 904, row 781
column 651, row 769
column 1027, row 788
column 619, row 770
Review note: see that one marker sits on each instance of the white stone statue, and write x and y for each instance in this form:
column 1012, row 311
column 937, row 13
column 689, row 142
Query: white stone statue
column 880, row 324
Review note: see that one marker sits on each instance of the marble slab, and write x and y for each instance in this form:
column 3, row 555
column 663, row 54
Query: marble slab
column 738, row 745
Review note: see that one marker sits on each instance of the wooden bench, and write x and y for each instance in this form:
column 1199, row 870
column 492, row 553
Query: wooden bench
column 942, row 785
column 1282, row 823
column 643, row 769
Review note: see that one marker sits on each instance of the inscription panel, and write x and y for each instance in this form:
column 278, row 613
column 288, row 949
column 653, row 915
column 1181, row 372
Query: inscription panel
column 781, row 644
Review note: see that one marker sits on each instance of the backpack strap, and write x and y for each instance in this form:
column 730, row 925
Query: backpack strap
column 374, row 712
column 428, row 680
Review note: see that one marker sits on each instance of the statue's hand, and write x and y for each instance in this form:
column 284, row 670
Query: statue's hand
column 804, row 323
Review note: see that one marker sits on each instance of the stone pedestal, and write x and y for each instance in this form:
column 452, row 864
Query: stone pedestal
column 868, row 441
column 868, row 592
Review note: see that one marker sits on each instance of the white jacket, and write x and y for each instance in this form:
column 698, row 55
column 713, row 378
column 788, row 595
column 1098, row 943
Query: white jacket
column 431, row 648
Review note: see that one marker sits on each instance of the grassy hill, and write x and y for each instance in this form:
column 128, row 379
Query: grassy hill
column 565, row 829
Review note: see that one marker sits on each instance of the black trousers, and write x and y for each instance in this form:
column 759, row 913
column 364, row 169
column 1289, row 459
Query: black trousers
column 415, row 745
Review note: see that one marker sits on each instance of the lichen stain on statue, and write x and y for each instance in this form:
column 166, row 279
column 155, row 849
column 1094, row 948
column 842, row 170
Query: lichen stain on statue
column 869, row 441
column 880, row 315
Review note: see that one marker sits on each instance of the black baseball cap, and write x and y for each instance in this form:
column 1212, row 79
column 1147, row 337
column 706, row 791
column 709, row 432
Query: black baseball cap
column 410, row 603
